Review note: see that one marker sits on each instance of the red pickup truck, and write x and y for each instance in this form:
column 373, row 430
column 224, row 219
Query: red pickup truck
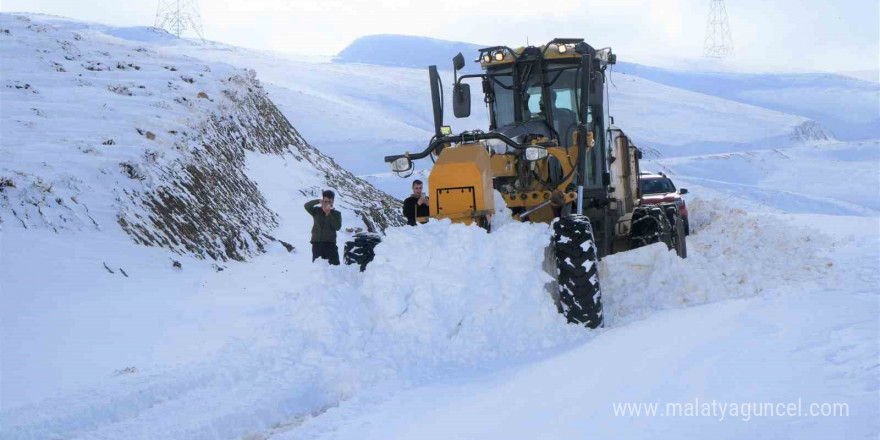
column 657, row 188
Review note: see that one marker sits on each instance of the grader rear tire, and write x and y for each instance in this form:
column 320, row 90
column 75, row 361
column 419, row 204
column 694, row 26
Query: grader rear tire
column 650, row 225
column 574, row 248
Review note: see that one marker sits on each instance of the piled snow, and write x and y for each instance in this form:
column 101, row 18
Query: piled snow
column 731, row 254
column 812, row 347
column 437, row 297
column 806, row 314
column 802, row 325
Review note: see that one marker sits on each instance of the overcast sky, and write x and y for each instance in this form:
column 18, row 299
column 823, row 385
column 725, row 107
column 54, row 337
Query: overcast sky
column 828, row 35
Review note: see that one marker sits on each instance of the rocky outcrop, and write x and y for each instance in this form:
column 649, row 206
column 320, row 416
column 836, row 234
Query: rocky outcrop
column 205, row 204
column 811, row 131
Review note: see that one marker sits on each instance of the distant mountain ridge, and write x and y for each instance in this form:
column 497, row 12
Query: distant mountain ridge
column 845, row 105
column 408, row 51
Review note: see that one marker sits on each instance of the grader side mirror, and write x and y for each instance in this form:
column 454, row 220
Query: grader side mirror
column 461, row 93
column 683, row 191
column 461, row 100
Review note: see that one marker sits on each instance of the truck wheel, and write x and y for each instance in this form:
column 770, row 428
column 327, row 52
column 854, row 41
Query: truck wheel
column 679, row 240
column 580, row 298
column 650, row 225
column 681, row 231
column 360, row 249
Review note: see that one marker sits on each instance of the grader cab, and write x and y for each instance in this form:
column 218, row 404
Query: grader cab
column 552, row 152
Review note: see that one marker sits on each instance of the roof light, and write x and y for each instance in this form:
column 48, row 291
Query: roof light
column 499, row 55
column 487, row 58
column 562, row 48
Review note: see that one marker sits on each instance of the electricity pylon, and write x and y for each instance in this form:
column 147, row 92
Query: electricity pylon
column 718, row 42
column 176, row 16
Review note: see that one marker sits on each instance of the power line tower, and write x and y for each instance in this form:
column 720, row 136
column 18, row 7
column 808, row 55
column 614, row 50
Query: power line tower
column 176, row 16
column 718, row 42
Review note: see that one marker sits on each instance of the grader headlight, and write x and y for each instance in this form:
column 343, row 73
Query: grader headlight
column 402, row 167
column 487, row 58
column 499, row 55
column 605, row 56
column 535, row 153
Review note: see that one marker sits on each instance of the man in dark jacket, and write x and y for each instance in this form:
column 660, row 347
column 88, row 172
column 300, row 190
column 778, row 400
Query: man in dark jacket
column 415, row 205
column 327, row 222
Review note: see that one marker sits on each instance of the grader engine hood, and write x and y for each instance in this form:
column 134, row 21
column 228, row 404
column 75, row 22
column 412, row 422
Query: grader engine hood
column 461, row 183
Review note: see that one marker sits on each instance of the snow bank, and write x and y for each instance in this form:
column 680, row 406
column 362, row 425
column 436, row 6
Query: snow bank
column 437, row 297
column 731, row 254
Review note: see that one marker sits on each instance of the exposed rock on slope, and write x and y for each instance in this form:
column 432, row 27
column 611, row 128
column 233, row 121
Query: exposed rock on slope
column 811, row 131
column 205, row 203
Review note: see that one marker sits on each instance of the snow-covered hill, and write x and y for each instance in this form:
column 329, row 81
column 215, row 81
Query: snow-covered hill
column 101, row 132
column 824, row 178
column 849, row 107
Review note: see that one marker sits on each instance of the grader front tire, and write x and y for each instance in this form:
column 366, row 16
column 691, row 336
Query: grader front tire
column 580, row 297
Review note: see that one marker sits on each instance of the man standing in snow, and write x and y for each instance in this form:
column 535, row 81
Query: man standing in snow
column 327, row 222
column 415, row 205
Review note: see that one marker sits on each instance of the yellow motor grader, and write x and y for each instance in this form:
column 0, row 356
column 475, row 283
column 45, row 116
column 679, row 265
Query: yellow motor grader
column 553, row 153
